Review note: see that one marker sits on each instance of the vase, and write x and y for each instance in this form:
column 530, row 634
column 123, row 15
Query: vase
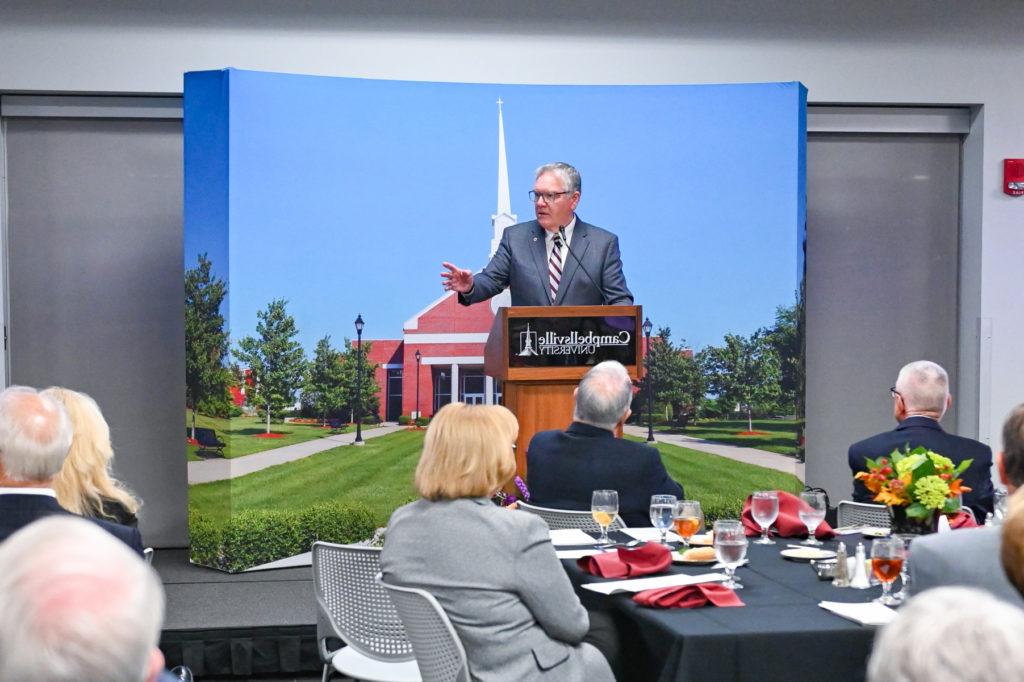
column 901, row 524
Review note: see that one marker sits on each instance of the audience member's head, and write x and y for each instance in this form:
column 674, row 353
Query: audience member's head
column 950, row 634
column 1013, row 541
column 468, row 452
column 85, row 481
column 35, row 434
column 76, row 604
column 922, row 390
column 603, row 396
column 1011, row 459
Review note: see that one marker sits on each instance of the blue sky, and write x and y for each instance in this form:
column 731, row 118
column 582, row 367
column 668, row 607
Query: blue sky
column 345, row 195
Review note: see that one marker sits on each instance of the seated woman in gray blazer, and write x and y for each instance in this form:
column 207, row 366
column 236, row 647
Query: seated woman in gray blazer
column 492, row 569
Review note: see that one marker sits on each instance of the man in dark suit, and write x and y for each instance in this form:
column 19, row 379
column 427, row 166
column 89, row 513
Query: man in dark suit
column 920, row 400
column 35, row 435
column 564, row 468
column 541, row 260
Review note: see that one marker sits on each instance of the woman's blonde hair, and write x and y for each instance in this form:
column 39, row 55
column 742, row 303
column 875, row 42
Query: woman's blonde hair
column 84, row 481
column 468, row 452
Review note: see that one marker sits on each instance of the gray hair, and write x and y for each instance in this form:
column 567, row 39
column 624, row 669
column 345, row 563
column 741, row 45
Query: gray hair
column 604, row 395
column 35, row 434
column 75, row 604
column 924, row 385
column 950, row 633
column 569, row 176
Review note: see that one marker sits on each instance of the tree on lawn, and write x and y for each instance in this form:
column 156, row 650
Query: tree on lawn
column 743, row 371
column 786, row 338
column 274, row 358
column 207, row 380
column 324, row 390
column 368, row 388
column 673, row 375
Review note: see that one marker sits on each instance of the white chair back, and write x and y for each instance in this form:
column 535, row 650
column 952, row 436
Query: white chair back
column 566, row 518
column 862, row 514
column 439, row 651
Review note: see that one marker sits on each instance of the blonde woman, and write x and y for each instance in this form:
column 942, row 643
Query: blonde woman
column 84, row 485
column 493, row 570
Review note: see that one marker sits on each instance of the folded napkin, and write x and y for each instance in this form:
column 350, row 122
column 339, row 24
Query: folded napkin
column 962, row 519
column 869, row 613
column 688, row 596
column 645, row 560
column 788, row 524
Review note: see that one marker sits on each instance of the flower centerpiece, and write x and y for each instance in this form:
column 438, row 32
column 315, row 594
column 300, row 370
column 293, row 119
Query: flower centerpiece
column 916, row 485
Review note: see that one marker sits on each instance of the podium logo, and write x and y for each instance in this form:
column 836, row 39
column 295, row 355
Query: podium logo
column 573, row 343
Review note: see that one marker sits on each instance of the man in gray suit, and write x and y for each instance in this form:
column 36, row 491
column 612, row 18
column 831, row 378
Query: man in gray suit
column 971, row 556
column 556, row 259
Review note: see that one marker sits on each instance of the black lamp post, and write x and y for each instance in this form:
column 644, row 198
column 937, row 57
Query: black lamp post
column 647, row 327
column 419, row 356
column 359, row 380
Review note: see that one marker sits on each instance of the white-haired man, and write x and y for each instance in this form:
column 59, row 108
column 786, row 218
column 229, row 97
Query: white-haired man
column 35, row 435
column 564, row 468
column 920, row 399
column 77, row 605
column 970, row 556
column 540, row 260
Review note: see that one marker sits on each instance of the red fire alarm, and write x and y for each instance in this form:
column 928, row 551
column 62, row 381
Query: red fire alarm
column 1013, row 177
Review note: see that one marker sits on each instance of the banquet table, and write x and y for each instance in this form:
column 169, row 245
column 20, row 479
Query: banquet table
column 781, row 633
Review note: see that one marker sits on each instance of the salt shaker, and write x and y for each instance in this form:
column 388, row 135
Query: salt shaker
column 842, row 578
column 860, row 581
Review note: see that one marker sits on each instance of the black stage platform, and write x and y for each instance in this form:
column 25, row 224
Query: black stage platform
column 258, row 625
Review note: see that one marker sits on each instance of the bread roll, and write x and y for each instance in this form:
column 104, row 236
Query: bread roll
column 699, row 554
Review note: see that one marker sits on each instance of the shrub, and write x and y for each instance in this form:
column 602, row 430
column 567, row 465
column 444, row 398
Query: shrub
column 422, row 421
column 258, row 536
column 404, row 420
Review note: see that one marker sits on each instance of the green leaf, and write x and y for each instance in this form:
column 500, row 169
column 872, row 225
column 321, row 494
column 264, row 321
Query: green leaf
column 951, row 506
column 918, row 511
column 961, row 467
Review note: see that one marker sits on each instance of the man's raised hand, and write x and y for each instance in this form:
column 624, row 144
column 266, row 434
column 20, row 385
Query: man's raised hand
column 456, row 279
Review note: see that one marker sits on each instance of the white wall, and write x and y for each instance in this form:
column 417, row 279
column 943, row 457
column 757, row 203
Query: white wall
column 911, row 52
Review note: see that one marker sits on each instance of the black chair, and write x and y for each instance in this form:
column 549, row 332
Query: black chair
column 208, row 441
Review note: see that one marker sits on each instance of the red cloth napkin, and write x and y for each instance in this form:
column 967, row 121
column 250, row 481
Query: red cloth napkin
column 962, row 519
column 688, row 596
column 628, row 563
column 788, row 525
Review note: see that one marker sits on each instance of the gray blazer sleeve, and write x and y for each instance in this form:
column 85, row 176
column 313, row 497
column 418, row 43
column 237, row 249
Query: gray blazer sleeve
column 544, row 585
column 613, row 282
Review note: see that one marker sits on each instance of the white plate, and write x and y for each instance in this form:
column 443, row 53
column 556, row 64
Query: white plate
column 678, row 558
column 874, row 532
column 807, row 554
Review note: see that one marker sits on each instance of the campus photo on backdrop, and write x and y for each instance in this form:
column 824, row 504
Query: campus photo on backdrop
column 313, row 201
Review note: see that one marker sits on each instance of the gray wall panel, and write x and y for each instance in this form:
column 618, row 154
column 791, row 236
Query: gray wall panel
column 95, row 289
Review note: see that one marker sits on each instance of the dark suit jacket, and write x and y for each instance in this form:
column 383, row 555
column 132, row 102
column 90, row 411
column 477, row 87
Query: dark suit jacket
column 923, row 431
column 521, row 262
column 564, row 468
column 17, row 511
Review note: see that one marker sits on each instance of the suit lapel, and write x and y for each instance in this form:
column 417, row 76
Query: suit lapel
column 540, row 259
column 571, row 265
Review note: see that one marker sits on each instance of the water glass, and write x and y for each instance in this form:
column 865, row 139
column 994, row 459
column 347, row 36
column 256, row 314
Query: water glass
column 730, row 548
column 764, row 507
column 812, row 513
column 604, row 505
column 886, row 562
column 689, row 520
column 182, row 672
column 1001, row 503
column 904, row 592
column 663, row 511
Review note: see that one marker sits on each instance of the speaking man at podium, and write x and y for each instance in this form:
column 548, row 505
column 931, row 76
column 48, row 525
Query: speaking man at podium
column 556, row 259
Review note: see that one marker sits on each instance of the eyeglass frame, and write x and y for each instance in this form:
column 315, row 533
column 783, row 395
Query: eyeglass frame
column 894, row 393
column 535, row 195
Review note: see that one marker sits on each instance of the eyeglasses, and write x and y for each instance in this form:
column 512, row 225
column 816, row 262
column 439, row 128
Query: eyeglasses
column 548, row 197
column 893, row 392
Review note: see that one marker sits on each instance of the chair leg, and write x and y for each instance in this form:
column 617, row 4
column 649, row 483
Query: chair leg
column 328, row 668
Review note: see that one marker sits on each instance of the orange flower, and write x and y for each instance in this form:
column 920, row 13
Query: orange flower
column 871, row 482
column 957, row 487
column 891, row 498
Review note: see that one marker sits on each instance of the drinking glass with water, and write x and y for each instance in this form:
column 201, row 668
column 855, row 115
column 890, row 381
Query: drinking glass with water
column 663, row 513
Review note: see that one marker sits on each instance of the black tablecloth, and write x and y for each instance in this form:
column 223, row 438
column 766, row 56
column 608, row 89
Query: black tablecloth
column 781, row 633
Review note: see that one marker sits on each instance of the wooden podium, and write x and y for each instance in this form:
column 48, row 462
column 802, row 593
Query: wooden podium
column 541, row 352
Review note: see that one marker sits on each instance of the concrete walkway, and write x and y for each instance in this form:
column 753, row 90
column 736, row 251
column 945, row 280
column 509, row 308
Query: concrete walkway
column 761, row 458
column 220, row 469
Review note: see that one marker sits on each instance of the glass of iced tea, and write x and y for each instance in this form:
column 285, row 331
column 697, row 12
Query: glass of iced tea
column 886, row 561
column 689, row 520
column 604, row 505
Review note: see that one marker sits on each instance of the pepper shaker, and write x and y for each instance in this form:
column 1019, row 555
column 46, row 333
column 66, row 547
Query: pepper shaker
column 842, row 578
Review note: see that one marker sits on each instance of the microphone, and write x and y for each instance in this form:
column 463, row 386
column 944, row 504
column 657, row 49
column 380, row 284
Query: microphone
column 561, row 231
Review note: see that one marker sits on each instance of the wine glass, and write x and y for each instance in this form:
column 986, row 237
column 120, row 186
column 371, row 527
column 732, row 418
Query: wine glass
column 689, row 520
column 904, row 592
column 886, row 561
column 812, row 513
column 604, row 505
column 730, row 548
column 182, row 672
column 663, row 510
column 764, row 507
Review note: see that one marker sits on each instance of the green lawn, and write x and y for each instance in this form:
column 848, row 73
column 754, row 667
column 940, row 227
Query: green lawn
column 781, row 438
column 380, row 476
column 240, row 434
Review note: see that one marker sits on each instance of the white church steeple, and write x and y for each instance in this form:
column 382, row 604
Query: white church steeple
column 503, row 216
